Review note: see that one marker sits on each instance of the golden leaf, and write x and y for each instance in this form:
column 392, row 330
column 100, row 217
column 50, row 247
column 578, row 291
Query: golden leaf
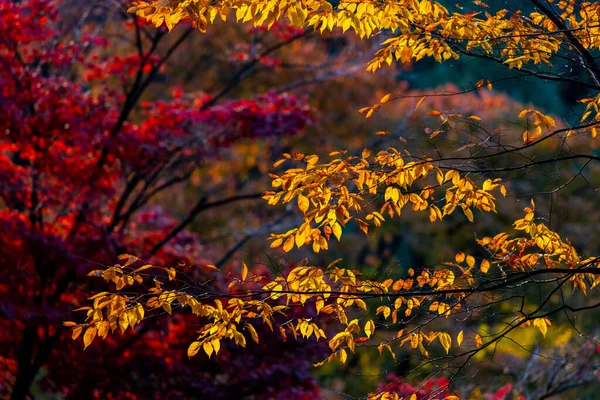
column 369, row 328
column 470, row 261
column 171, row 273
column 289, row 244
column 76, row 332
column 193, row 349
column 460, row 257
column 343, row 356
column 142, row 268
column 208, row 348
column 485, row 266
column 216, row 344
column 446, row 341
column 253, row 333
column 303, row 203
column 478, row 341
column 89, row 336
column 244, row 271
column 103, row 328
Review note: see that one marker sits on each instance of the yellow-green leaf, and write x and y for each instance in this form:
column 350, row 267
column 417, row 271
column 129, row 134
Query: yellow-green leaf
column 369, row 328
column 446, row 341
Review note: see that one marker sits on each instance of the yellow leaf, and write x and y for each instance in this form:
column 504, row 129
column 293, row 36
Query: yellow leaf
column 337, row 231
column 385, row 98
column 278, row 163
column 541, row 324
column 208, row 349
column 459, row 338
column 123, row 321
column 446, row 341
column 142, row 268
column 289, row 244
column 252, row 332
column 216, row 344
column 103, row 329
column 244, row 271
column 343, row 356
column 303, row 203
column 478, row 341
column 193, row 349
column 76, row 332
column 369, row 328
column 469, row 214
column 319, row 305
column 460, row 257
column 89, row 336
column 419, row 103
column 503, row 190
column 276, row 243
column 210, row 266
column 485, row 266
column 406, row 54
column 171, row 273
column 470, row 261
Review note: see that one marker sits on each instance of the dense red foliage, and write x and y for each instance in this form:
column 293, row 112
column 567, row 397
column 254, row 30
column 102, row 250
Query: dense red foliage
column 431, row 388
column 73, row 147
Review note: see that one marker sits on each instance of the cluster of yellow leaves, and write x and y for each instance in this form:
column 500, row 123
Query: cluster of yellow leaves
column 224, row 316
column 542, row 248
column 539, row 120
column 234, row 313
column 333, row 193
column 109, row 312
column 592, row 113
column 422, row 28
column 419, row 28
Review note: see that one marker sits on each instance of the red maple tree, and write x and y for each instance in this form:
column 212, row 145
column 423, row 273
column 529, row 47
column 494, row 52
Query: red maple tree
column 82, row 155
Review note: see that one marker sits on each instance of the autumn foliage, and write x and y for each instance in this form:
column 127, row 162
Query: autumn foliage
column 82, row 157
column 88, row 150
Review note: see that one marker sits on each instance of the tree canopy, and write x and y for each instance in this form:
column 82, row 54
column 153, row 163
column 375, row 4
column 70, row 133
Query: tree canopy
column 463, row 158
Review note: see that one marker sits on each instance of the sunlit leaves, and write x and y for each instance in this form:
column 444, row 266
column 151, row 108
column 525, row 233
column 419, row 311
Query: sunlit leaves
column 193, row 349
column 478, row 340
column 445, row 340
column 89, row 336
column 335, row 291
column 539, row 121
column 485, row 266
column 369, row 328
column 333, row 193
